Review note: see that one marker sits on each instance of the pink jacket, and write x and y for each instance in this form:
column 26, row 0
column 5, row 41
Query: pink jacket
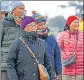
column 67, row 48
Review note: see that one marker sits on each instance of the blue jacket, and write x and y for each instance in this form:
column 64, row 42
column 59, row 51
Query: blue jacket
column 54, row 52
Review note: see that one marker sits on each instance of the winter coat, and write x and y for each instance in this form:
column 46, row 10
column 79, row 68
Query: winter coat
column 21, row 66
column 54, row 52
column 67, row 45
column 0, row 45
column 9, row 32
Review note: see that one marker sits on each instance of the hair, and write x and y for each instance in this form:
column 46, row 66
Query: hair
column 66, row 27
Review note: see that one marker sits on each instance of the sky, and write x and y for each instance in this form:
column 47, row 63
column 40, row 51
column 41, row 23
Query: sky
column 49, row 8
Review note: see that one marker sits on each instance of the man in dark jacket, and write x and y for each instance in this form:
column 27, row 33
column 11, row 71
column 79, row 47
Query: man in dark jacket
column 10, row 31
column 52, row 45
column 21, row 64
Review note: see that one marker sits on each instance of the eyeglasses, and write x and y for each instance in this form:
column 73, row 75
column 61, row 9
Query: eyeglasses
column 32, row 26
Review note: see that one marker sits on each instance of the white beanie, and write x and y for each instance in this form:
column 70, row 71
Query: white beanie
column 15, row 4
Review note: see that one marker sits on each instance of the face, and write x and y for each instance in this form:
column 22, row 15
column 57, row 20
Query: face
column 19, row 11
column 2, row 15
column 32, row 27
column 18, row 21
column 41, row 25
column 74, row 25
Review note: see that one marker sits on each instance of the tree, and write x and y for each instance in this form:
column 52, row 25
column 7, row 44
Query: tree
column 78, row 6
column 58, row 21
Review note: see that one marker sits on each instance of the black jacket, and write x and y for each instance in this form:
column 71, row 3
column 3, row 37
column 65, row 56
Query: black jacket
column 21, row 66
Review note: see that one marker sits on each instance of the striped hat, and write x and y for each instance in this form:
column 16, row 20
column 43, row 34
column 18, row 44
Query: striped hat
column 38, row 17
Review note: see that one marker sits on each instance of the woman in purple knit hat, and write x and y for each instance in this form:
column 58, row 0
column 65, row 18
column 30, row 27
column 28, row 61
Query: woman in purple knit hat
column 21, row 65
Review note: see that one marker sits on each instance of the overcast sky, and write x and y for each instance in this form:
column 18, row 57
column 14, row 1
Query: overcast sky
column 49, row 8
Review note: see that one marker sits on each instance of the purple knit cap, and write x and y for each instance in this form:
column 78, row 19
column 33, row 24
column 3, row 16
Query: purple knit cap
column 26, row 20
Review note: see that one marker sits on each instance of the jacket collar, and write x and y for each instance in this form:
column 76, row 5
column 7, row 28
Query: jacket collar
column 73, row 32
column 10, row 18
column 44, row 34
column 31, row 36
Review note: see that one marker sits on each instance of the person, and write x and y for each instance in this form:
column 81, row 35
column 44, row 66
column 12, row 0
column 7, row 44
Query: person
column 81, row 25
column 21, row 65
column 9, row 32
column 71, row 44
column 4, row 11
column 52, row 45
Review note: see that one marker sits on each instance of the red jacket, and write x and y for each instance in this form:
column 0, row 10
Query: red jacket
column 67, row 48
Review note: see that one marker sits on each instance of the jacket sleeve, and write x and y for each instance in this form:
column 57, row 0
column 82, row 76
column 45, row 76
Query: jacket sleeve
column 2, row 32
column 57, row 57
column 1, row 37
column 48, row 65
column 61, row 44
column 0, row 44
column 11, row 61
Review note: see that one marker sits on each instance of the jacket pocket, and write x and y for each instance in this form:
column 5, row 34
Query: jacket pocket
column 29, row 74
column 4, row 56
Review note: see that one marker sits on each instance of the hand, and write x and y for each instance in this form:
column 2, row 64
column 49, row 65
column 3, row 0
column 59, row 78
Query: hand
column 59, row 77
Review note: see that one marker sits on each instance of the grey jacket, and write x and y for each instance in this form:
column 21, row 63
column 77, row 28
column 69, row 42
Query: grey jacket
column 9, row 32
column 21, row 66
